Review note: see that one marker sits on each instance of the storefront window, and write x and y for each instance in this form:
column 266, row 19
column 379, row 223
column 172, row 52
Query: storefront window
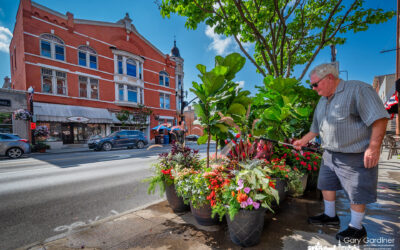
column 5, row 122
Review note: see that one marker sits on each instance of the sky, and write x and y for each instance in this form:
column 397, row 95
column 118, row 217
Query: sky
column 360, row 56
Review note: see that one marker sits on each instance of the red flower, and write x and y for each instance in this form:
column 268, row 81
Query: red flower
column 296, row 154
column 271, row 184
column 309, row 168
column 287, row 176
column 249, row 135
column 226, row 142
column 315, row 163
column 303, row 163
column 308, row 158
column 315, row 168
column 284, row 155
column 297, row 159
column 238, row 136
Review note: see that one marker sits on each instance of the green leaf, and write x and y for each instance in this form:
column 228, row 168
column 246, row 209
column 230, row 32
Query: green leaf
column 222, row 127
column 202, row 139
column 201, row 68
column 237, row 109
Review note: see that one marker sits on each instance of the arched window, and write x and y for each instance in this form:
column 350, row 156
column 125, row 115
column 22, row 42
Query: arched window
column 87, row 57
column 164, row 78
column 52, row 47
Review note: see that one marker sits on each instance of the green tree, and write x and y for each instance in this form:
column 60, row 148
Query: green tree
column 286, row 33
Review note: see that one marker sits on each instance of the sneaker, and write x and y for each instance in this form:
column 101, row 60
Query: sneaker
column 352, row 235
column 324, row 219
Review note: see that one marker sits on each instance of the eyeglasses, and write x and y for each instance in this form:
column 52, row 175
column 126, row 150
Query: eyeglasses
column 315, row 84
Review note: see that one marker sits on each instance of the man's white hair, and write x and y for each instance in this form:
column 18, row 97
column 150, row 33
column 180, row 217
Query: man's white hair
column 325, row 69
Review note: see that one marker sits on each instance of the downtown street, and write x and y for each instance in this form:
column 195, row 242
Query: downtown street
column 44, row 195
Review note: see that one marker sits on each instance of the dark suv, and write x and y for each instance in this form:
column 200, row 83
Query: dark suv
column 120, row 139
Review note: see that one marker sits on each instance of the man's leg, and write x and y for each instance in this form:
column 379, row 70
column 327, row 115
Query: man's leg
column 329, row 202
column 357, row 215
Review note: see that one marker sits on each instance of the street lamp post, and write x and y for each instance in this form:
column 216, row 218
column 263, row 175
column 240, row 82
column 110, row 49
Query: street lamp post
column 31, row 91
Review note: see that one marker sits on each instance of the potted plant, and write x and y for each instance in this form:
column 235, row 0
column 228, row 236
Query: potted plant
column 199, row 188
column 41, row 132
column 22, row 114
column 40, row 147
column 245, row 200
column 178, row 159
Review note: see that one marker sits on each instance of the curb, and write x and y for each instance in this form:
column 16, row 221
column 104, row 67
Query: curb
column 82, row 228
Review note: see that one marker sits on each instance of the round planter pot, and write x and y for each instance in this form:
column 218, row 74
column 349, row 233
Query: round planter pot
column 175, row 202
column 203, row 215
column 246, row 227
column 280, row 187
column 303, row 180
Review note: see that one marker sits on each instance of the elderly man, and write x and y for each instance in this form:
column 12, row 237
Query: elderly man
column 351, row 121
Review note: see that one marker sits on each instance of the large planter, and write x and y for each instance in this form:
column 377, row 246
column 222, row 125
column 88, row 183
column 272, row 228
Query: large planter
column 246, row 227
column 296, row 193
column 175, row 202
column 203, row 215
column 280, row 187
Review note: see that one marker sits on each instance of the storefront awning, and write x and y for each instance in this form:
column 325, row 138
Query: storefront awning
column 64, row 113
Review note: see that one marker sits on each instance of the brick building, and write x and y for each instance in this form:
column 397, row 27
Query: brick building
column 191, row 127
column 83, row 72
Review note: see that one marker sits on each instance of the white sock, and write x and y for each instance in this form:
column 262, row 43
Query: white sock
column 356, row 219
column 330, row 208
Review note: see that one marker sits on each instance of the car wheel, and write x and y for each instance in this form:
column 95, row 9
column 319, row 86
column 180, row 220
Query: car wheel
column 106, row 146
column 140, row 144
column 14, row 153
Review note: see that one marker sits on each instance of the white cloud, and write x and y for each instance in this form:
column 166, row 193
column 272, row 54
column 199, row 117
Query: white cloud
column 5, row 39
column 241, row 84
column 219, row 43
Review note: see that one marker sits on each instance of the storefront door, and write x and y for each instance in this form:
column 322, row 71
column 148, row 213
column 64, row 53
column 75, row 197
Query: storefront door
column 67, row 131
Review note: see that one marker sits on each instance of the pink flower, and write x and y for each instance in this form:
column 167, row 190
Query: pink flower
column 256, row 205
column 247, row 190
column 240, row 184
column 249, row 201
column 243, row 204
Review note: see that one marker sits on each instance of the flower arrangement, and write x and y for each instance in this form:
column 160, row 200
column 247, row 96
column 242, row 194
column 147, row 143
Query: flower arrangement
column 22, row 114
column 41, row 131
column 176, row 161
column 251, row 188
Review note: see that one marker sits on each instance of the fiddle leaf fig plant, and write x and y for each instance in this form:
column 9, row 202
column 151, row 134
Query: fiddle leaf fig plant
column 216, row 87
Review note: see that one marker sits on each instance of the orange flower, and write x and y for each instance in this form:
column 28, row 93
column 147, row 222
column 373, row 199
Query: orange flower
column 233, row 194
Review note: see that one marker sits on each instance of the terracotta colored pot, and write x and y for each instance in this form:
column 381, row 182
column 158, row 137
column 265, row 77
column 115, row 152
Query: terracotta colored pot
column 203, row 215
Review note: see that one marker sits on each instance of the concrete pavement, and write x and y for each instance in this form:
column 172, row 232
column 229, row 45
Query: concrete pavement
column 157, row 227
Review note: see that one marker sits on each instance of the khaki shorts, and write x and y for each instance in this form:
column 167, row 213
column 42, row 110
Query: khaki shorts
column 346, row 171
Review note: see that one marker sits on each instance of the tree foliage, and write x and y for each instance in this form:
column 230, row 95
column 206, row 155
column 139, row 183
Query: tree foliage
column 285, row 33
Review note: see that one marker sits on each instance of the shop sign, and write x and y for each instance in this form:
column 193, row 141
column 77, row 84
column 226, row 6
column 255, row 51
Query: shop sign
column 78, row 119
column 5, row 102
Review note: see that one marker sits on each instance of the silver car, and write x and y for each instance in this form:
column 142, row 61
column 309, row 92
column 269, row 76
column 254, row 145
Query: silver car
column 13, row 146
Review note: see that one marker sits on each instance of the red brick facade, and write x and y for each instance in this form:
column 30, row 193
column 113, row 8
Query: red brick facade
column 108, row 40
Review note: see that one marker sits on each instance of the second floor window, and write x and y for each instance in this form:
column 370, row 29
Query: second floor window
column 52, row 47
column 87, row 57
column 128, row 93
column 164, row 101
column 88, row 87
column 54, row 82
column 164, row 78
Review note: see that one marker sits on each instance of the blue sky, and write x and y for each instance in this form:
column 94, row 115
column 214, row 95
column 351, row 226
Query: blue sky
column 360, row 56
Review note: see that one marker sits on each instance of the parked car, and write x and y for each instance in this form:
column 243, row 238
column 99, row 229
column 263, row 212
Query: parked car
column 192, row 137
column 13, row 146
column 120, row 139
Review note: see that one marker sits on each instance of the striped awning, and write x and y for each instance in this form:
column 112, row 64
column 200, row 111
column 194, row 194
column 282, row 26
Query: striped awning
column 66, row 113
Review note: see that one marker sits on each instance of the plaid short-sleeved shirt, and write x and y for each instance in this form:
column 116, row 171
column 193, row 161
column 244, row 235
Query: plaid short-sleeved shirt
column 344, row 121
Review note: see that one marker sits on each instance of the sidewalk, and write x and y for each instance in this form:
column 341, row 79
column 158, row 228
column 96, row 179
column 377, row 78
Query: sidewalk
column 157, row 227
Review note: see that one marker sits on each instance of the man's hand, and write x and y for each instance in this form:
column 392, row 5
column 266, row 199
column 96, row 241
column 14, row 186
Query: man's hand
column 299, row 144
column 371, row 157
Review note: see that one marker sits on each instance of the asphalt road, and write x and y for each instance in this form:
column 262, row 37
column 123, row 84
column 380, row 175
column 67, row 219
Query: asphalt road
column 45, row 195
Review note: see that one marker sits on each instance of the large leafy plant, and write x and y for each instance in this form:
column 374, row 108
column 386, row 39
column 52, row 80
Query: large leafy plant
column 216, row 87
column 284, row 108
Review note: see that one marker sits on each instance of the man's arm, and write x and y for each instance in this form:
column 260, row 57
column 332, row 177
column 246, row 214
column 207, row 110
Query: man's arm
column 371, row 156
column 304, row 140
